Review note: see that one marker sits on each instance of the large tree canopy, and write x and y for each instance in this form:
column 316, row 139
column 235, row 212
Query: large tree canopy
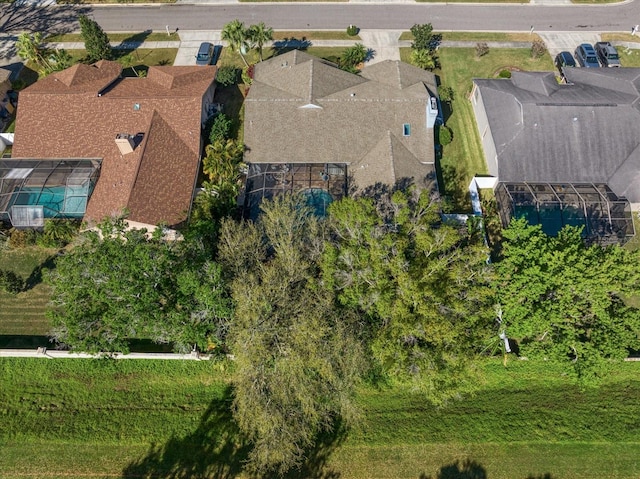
column 565, row 301
column 122, row 284
column 96, row 41
column 422, row 285
column 296, row 359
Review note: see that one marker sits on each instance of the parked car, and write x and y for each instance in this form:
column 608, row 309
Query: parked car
column 586, row 56
column 205, row 54
column 563, row 60
column 607, row 54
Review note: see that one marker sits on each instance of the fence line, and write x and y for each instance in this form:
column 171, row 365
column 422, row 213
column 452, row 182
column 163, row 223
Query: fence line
column 56, row 354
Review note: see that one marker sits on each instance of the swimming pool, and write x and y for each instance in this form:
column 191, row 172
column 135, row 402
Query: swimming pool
column 67, row 201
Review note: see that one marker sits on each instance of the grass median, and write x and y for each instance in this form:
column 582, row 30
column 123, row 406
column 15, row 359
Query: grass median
column 136, row 418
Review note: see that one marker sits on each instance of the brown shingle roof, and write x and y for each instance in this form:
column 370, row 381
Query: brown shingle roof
column 154, row 182
column 303, row 110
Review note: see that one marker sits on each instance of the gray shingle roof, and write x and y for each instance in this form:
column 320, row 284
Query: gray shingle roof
column 588, row 131
column 301, row 109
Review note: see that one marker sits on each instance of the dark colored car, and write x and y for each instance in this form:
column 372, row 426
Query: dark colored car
column 586, row 56
column 607, row 54
column 563, row 60
column 205, row 54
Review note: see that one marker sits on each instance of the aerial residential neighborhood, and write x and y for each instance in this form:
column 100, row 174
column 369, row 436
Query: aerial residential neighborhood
column 343, row 239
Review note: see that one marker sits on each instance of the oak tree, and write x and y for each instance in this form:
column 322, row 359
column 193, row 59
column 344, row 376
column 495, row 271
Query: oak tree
column 565, row 301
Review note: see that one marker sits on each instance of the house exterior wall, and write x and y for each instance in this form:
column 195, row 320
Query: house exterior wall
column 484, row 130
column 207, row 99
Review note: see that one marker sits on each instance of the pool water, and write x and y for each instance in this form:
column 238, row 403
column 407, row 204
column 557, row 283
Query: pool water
column 58, row 200
column 318, row 199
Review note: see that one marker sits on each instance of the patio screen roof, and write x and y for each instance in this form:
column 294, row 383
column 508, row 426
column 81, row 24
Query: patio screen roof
column 33, row 189
column 604, row 216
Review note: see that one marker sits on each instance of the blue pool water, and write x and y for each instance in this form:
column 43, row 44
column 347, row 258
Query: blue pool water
column 68, row 201
column 319, row 200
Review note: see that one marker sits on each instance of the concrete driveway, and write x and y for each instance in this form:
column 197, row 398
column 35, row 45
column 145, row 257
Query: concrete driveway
column 567, row 41
column 190, row 42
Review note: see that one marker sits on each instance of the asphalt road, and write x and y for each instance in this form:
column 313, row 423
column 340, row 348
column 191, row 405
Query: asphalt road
column 330, row 15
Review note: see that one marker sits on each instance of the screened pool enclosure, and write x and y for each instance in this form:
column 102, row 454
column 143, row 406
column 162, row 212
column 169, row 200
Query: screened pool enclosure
column 602, row 214
column 33, row 190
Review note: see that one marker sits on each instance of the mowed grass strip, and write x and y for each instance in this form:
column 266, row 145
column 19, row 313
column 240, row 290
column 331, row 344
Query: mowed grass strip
column 135, row 418
column 119, row 37
column 480, row 36
column 314, row 35
column 24, row 313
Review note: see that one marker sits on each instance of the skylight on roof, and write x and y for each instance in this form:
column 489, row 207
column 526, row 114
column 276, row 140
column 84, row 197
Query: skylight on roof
column 406, row 129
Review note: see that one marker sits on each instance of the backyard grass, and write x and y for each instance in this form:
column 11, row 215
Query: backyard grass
column 480, row 36
column 464, row 157
column 147, row 36
column 136, row 418
column 24, row 313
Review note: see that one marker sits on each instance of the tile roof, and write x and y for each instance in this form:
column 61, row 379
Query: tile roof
column 77, row 113
column 301, row 109
column 586, row 131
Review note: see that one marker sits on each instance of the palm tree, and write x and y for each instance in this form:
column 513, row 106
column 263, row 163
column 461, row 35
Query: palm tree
column 236, row 35
column 223, row 161
column 259, row 35
column 352, row 56
column 30, row 48
column 424, row 59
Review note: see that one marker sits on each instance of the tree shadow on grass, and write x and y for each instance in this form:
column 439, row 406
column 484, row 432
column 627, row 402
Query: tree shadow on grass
column 35, row 278
column 287, row 44
column 315, row 465
column 468, row 469
column 217, row 450
column 214, row 450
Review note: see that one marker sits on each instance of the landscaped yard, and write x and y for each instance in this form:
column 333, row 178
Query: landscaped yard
column 24, row 313
column 464, row 158
column 135, row 418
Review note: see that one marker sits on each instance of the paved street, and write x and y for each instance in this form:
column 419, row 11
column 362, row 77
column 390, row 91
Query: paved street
column 396, row 16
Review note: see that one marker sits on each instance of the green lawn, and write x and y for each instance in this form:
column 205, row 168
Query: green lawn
column 23, row 314
column 629, row 57
column 147, row 36
column 464, row 158
column 480, row 36
column 229, row 57
column 315, row 35
column 133, row 418
column 140, row 59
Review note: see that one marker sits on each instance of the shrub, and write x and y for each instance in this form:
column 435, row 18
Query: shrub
column 10, row 282
column 538, row 49
column 220, row 128
column 481, row 49
column 57, row 233
column 227, row 75
column 504, row 74
column 445, row 136
column 446, row 94
column 353, row 56
column 22, row 238
column 352, row 30
column 247, row 75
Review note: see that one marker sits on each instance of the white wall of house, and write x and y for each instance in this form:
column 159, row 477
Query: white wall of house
column 482, row 122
